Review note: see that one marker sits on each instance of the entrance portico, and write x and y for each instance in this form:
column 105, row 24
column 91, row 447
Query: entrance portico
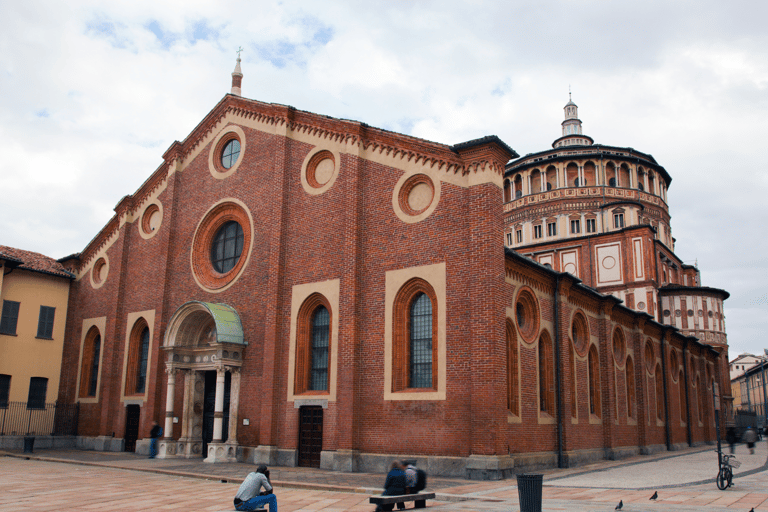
column 203, row 337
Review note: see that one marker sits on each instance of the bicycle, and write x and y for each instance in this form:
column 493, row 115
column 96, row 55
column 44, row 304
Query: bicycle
column 725, row 476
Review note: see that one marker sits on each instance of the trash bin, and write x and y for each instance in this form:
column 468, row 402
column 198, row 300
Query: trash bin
column 529, row 492
column 29, row 444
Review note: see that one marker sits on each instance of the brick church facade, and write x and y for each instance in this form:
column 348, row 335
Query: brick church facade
column 295, row 289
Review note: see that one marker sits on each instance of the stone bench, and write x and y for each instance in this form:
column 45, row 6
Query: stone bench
column 419, row 499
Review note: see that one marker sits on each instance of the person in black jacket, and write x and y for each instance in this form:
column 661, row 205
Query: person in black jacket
column 394, row 485
column 154, row 434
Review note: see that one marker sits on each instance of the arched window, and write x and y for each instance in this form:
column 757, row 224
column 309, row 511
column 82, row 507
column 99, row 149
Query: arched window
column 512, row 372
column 138, row 357
column 414, row 353
column 659, row 393
column 507, row 190
column 630, row 369
column 313, row 344
column 546, row 376
column 594, row 381
column 420, row 375
column 701, row 394
column 89, row 366
column 321, row 322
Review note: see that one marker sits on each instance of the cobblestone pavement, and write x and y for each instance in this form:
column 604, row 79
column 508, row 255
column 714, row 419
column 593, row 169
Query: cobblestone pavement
column 83, row 480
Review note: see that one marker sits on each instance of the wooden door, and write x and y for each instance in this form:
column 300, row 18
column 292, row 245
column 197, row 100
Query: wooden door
column 310, row 436
column 132, row 417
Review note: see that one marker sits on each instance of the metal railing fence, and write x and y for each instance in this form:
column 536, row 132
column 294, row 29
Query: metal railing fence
column 17, row 419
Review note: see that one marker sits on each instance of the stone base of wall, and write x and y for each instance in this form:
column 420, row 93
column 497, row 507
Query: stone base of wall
column 101, row 443
column 41, row 442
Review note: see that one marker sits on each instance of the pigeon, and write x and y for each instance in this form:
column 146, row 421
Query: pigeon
column 655, row 495
column 620, row 505
column 752, row 509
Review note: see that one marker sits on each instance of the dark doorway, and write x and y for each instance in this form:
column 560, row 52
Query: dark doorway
column 310, row 436
column 132, row 417
column 209, row 408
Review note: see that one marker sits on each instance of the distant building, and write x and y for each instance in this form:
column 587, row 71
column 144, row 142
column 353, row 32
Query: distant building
column 742, row 363
column 34, row 291
column 600, row 213
column 749, row 389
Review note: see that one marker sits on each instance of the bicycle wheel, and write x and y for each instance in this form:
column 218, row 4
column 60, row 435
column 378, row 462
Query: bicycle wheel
column 722, row 479
column 729, row 476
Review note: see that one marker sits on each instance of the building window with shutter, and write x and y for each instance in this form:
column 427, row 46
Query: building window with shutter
column 9, row 318
column 45, row 322
column 38, row 387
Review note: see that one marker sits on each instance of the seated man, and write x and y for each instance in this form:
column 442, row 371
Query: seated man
column 248, row 496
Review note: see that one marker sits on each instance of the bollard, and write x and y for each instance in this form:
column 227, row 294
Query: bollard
column 529, row 492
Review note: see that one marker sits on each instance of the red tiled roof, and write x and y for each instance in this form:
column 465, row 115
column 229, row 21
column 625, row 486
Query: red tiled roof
column 33, row 261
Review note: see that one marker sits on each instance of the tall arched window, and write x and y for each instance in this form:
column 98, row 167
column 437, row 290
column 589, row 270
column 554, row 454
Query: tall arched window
column 512, row 372
column 546, row 376
column 630, row 369
column 659, row 393
column 89, row 366
column 594, row 381
column 321, row 322
column 138, row 358
column 414, row 354
column 313, row 345
column 420, row 375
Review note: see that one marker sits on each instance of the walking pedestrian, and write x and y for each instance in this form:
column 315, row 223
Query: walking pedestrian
column 750, row 436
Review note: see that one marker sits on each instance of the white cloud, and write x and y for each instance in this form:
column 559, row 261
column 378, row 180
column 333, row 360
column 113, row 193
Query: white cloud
column 93, row 94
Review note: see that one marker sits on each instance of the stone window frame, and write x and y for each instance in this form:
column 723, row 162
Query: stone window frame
column 537, row 231
column 97, row 280
column 90, row 328
column 135, row 322
column 134, row 348
column 327, row 293
column 397, row 296
column 309, row 166
column 402, row 189
column 303, row 370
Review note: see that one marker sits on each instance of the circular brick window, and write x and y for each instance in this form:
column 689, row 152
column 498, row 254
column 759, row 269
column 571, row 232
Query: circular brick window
column 580, row 334
column 151, row 219
column 619, row 347
column 99, row 272
column 673, row 365
column 667, row 312
column 321, row 168
column 221, row 245
column 231, row 153
column 227, row 152
column 416, row 194
column 527, row 315
column 650, row 356
column 690, row 312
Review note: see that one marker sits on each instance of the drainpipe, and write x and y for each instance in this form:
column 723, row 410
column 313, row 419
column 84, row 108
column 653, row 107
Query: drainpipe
column 558, row 379
column 664, row 387
column 687, row 396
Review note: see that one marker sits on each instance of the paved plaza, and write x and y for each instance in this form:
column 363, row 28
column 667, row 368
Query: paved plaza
column 82, row 480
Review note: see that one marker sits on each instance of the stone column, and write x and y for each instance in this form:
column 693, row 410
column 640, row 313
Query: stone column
column 234, row 402
column 218, row 410
column 170, row 395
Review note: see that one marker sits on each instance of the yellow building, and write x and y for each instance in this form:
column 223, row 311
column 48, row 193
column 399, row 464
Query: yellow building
column 34, row 292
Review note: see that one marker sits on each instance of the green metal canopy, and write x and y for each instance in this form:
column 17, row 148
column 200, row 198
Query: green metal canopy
column 228, row 326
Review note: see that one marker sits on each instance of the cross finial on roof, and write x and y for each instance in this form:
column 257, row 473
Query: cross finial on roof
column 239, row 49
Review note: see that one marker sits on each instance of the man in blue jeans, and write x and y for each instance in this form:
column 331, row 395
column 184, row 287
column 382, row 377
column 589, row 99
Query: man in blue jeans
column 154, row 434
column 249, row 497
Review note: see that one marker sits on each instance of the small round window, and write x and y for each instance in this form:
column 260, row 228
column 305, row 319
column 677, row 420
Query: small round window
column 230, row 154
column 226, row 247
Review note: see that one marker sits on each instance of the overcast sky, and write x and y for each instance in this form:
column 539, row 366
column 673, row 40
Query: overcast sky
column 93, row 93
